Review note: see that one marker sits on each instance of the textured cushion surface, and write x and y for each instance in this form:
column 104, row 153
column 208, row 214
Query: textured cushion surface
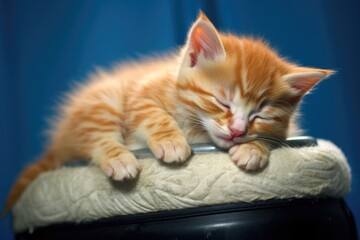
column 78, row 194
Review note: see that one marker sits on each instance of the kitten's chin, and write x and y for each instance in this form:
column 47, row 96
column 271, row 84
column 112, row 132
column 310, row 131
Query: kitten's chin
column 223, row 143
column 228, row 143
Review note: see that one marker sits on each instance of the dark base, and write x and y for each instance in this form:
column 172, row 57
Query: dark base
column 279, row 219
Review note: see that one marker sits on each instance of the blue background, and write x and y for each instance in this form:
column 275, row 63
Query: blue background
column 47, row 45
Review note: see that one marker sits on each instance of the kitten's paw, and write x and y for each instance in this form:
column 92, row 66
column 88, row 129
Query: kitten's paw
column 174, row 150
column 122, row 167
column 249, row 156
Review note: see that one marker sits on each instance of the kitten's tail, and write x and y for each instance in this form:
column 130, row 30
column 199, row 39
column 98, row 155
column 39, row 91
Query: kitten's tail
column 46, row 163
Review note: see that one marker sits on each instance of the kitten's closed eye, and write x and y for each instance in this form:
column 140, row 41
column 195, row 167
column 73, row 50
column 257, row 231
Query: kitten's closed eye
column 223, row 103
column 261, row 116
column 262, row 112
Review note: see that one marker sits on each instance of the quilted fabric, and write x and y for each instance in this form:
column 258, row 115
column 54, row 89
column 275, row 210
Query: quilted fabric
column 81, row 194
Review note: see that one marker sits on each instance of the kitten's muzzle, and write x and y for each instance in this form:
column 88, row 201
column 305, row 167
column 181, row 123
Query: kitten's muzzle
column 237, row 132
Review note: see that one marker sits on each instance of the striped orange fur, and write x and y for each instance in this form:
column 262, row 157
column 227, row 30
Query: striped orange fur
column 234, row 91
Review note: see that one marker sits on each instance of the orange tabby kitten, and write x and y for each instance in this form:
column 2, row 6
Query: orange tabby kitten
column 233, row 91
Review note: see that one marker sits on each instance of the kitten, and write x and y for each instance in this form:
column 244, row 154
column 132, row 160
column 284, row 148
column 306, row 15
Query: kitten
column 234, row 91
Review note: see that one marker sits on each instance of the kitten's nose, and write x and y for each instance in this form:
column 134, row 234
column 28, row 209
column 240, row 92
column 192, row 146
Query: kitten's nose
column 235, row 132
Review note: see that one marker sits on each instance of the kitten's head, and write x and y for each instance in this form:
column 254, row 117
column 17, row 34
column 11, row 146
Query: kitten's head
column 239, row 88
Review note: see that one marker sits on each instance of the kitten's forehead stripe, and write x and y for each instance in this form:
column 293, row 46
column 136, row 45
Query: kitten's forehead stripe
column 243, row 70
column 254, row 69
column 238, row 76
column 190, row 86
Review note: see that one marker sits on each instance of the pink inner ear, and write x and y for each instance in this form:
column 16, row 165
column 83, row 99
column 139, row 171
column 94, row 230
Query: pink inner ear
column 304, row 84
column 193, row 57
column 196, row 36
column 204, row 39
column 304, row 81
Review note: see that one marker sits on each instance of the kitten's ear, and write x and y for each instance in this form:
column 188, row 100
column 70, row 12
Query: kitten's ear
column 302, row 80
column 204, row 42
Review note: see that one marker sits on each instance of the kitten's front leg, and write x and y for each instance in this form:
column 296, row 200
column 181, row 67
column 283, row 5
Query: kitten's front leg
column 170, row 149
column 115, row 160
column 250, row 156
column 163, row 135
